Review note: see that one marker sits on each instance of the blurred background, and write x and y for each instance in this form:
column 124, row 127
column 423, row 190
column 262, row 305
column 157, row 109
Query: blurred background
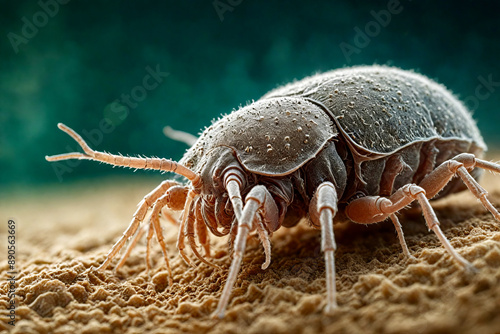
column 118, row 72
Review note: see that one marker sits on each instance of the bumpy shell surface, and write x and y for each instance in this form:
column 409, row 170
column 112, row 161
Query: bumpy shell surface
column 274, row 136
column 383, row 109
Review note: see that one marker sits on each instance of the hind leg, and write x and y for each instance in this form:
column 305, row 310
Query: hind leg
column 373, row 209
column 460, row 165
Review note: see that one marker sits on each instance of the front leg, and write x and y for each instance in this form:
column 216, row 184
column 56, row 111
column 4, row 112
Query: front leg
column 138, row 217
column 322, row 209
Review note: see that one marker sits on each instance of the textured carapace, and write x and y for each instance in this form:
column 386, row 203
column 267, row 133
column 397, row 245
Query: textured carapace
column 383, row 109
column 355, row 144
column 271, row 137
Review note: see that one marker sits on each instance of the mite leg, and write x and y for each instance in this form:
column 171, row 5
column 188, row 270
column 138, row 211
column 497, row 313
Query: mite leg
column 131, row 245
column 459, row 165
column 138, row 217
column 201, row 231
column 262, row 233
column 166, row 213
column 232, row 236
column 372, row 209
column 148, row 248
column 155, row 223
column 181, row 136
column 182, row 234
column 401, row 236
column 264, row 239
column 322, row 209
column 190, row 233
column 234, row 180
column 134, row 242
column 255, row 201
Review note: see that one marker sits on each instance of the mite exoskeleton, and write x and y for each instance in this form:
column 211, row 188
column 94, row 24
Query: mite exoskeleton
column 357, row 144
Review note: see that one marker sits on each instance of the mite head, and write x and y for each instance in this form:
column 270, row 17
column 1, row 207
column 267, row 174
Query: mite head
column 223, row 181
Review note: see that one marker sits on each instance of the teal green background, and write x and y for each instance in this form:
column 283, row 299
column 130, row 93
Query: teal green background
column 78, row 64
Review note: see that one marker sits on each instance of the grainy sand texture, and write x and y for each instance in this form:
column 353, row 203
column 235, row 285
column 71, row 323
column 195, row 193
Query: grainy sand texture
column 62, row 233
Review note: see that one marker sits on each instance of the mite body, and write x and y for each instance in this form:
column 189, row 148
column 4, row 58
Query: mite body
column 357, row 144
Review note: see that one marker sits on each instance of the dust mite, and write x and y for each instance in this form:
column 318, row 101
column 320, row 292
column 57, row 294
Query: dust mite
column 356, row 144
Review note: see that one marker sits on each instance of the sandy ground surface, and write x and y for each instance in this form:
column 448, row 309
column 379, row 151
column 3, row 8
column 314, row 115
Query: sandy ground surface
column 63, row 232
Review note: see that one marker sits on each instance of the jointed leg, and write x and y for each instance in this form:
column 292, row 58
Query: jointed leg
column 181, row 235
column 401, row 236
column 233, row 182
column 181, row 136
column 148, row 248
column 201, row 231
column 263, row 234
column 190, row 233
column 255, row 201
column 372, row 209
column 166, row 213
column 264, row 239
column 232, row 236
column 155, row 223
column 138, row 217
column 131, row 245
column 323, row 208
column 433, row 224
column 477, row 191
column 137, row 163
column 436, row 180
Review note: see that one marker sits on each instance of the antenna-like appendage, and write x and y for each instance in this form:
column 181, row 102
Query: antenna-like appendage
column 119, row 160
